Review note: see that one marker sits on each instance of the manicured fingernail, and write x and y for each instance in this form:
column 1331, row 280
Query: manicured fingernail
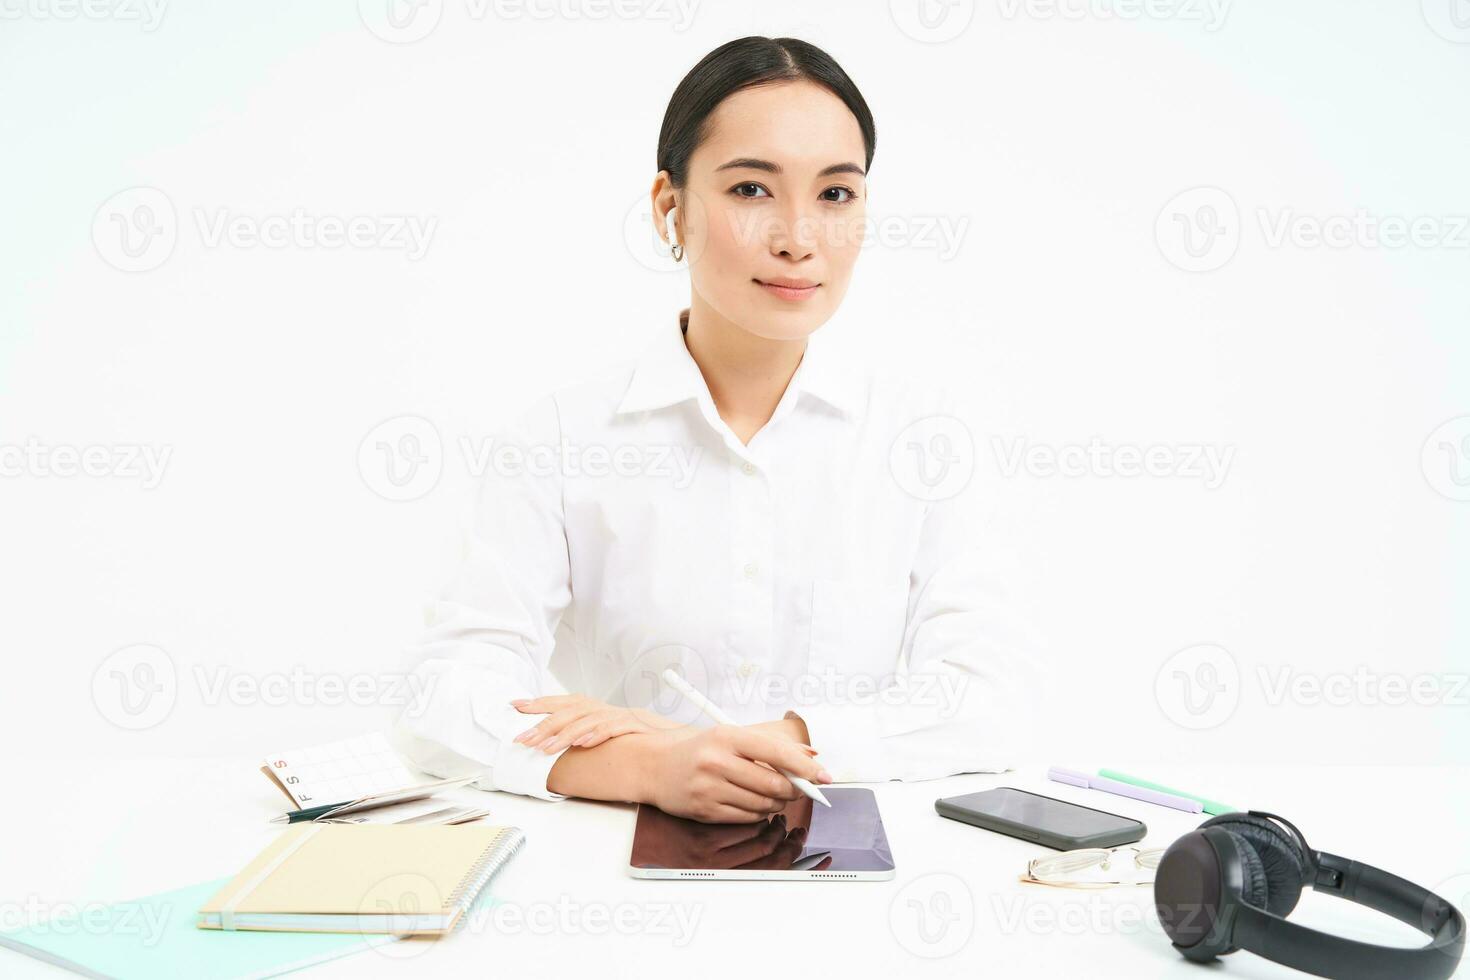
column 519, row 701
column 824, row 776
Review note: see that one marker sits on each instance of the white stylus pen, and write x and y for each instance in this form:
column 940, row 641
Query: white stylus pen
column 710, row 708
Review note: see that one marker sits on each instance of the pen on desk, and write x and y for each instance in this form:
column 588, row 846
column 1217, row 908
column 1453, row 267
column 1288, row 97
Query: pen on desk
column 1073, row 777
column 710, row 708
column 310, row 813
column 1213, row 807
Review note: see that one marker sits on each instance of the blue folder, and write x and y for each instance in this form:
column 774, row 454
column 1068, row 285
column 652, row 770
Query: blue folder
column 157, row 937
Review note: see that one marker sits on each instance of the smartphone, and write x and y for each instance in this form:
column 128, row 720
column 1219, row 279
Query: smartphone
column 1031, row 816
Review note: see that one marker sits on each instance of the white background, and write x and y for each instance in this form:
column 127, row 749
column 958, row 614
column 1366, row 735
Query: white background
column 1053, row 140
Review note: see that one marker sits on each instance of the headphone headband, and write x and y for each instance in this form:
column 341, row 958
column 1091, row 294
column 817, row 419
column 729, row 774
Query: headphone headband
column 1301, row 839
column 1324, row 954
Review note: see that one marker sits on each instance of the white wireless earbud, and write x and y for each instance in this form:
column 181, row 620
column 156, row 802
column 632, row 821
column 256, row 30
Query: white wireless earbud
column 675, row 249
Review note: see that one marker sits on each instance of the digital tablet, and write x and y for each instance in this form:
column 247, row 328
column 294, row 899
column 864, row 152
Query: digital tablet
column 805, row 841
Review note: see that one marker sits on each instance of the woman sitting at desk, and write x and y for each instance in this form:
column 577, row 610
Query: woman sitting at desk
column 737, row 504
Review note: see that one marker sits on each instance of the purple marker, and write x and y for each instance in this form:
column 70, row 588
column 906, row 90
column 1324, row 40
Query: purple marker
column 1074, row 778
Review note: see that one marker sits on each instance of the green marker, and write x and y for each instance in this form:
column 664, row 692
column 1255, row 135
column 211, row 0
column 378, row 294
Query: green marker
column 1212, row 807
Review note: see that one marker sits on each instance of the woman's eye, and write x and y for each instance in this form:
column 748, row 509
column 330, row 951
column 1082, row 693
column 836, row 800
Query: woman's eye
column 832, row 195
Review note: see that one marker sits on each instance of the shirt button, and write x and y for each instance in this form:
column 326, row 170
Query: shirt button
column 746, row 669
column 748, row 469
column 751, row 569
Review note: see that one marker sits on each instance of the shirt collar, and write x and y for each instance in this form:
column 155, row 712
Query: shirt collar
column 665, row 374
column 824, row 374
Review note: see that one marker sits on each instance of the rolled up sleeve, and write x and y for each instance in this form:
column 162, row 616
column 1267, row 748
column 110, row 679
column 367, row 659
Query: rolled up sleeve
column 489, row 638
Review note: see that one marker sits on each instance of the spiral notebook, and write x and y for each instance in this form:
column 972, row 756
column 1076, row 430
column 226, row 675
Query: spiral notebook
column 404, row 879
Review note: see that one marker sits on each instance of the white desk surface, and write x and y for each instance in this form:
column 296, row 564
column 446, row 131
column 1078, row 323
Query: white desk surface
column 76, row 834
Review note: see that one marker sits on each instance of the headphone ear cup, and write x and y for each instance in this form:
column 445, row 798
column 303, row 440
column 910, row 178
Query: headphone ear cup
column 1282, row 862
column 1255, row 889
column 1189, row 894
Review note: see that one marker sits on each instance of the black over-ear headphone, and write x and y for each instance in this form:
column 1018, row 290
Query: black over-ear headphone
column 1230, row 883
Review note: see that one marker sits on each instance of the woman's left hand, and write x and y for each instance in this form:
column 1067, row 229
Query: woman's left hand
column 575, row 720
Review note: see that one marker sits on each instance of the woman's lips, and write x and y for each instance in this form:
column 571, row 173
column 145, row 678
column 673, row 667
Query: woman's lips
column 790, row 292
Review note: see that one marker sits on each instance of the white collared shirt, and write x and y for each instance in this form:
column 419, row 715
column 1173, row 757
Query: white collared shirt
column 825, row 568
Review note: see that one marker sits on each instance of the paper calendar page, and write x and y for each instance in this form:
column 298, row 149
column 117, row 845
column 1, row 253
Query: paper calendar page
column 339, row 771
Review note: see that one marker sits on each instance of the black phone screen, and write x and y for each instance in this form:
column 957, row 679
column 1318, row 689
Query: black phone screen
column 1042, row 813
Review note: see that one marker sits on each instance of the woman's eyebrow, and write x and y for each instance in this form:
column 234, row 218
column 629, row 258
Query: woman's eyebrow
column 750, row 163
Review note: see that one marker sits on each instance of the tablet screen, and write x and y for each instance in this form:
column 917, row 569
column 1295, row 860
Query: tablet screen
column 805, row 836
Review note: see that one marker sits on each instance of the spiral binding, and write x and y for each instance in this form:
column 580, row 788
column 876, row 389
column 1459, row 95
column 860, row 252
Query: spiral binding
column 501, row 850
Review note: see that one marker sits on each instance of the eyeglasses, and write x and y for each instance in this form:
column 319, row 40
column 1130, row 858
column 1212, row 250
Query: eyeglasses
column 1092, row 867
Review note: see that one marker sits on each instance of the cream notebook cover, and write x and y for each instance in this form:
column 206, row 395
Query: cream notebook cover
column 400, row 879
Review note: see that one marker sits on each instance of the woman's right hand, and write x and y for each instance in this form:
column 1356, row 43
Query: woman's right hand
column 725, row 774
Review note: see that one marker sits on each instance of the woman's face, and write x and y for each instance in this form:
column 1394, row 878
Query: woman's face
column 775, row 196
